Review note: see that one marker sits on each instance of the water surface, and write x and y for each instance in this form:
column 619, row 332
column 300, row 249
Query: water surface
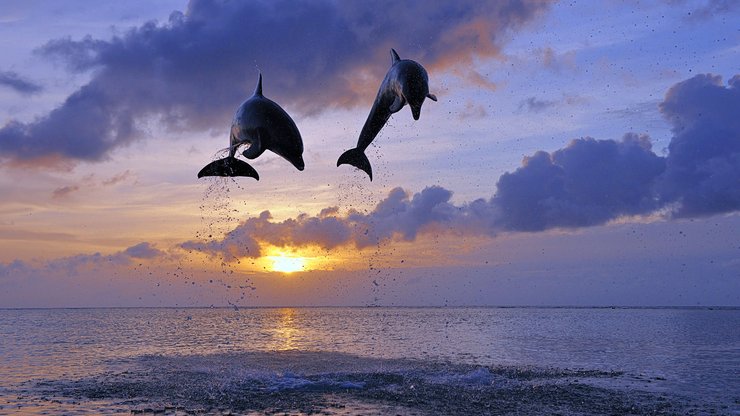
column 371, row 360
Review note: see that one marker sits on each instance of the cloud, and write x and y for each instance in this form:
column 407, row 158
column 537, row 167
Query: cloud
column 713, row 8
column 535, row 105
column 192, row 71
column 143, row 251
column 18, row 84
column 89, row 181
column 592, row 181
column 116, row 179
column 587, row 183
column 237, row 243
column 400, row 216
column 476, row 79
column 703, row 164
column 73, row 265
column 13, row 268
column 473, row 111
column 64, row 191
column 556, row 62
column 25, row 235
column 92, row 273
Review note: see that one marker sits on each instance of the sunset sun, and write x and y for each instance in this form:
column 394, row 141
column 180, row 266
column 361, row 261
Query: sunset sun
column 289, row 260
column 287, row 264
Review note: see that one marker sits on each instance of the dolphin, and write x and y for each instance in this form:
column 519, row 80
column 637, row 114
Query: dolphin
column 263, row 125
column 406, row 82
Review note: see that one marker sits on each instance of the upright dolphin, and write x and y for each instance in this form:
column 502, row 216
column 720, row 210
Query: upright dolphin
column 406, row 82
column 263, row 125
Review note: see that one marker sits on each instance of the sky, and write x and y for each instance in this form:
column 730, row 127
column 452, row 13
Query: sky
column 580, row 154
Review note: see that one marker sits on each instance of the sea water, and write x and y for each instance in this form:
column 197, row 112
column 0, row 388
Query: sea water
column 408, row 361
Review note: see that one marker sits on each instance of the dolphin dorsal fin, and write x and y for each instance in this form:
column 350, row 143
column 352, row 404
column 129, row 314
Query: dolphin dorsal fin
column 258, row 89
column 394, row 57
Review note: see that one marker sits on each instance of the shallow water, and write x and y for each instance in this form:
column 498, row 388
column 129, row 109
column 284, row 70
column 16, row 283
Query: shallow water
column 370, row 361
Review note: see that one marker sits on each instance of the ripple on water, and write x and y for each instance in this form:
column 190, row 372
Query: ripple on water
column 301, row 382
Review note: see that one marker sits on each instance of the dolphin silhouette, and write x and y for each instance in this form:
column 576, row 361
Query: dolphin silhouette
column 263, row 125
column 406, row 82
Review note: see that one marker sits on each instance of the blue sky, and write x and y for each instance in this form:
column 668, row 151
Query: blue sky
column 586, row 146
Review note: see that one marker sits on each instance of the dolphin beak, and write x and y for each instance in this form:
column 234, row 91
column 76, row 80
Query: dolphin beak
column 299, row 163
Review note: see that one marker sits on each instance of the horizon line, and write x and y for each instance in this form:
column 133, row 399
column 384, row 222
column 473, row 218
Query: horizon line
column 237, row 308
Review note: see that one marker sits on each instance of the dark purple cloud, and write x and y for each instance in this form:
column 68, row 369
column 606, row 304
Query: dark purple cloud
column 589, row 182
column 18, row 84
column 703, row 164
column 75, row 265
column 578, row 186
column 192, row 72
column 399, row 216
column 85, row 127
column 593, row 181
column 79, row 265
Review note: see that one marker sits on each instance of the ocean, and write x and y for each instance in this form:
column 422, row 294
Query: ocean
column 370, row 361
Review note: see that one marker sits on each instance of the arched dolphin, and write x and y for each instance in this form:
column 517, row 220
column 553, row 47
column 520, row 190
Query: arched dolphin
column 263, row 125
column 406, row 82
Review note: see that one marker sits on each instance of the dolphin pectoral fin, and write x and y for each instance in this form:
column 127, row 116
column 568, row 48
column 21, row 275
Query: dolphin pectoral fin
column 255, row 147
column 253, row 152
column 432, row 97
column 356, row 158
column 397, row 105
column 229, row 166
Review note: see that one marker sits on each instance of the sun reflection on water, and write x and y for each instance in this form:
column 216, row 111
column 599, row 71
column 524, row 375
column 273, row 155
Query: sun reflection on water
column 286, row 334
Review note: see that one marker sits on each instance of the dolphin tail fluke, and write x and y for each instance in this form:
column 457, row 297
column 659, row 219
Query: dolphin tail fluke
column 229, row 166
column 356, row 158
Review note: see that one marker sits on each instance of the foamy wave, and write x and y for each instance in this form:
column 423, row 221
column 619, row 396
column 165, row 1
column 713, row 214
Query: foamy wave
column 300, row 382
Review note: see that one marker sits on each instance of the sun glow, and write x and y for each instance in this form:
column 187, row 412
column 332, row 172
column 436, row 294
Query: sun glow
column 285, row 263
column 288, row 259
